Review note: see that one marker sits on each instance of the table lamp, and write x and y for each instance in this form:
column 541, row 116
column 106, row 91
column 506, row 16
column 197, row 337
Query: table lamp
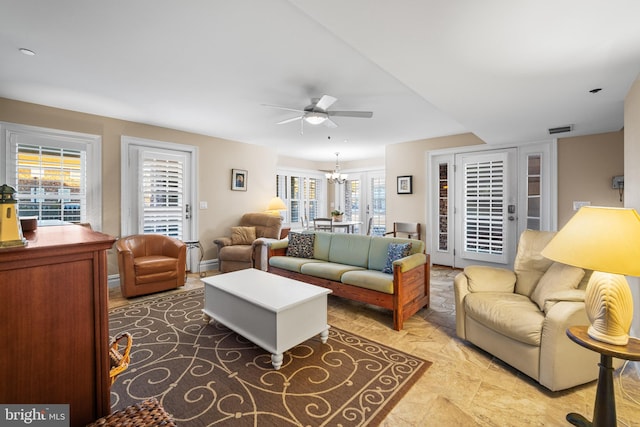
column 607, row 241
column 275, row 206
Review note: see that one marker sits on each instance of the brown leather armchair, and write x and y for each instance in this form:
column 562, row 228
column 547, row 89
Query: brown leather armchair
column 150, row 263
column 241, row 250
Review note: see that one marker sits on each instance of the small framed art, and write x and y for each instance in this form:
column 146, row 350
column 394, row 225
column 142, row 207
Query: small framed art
column 405, row 184
column 239, row 179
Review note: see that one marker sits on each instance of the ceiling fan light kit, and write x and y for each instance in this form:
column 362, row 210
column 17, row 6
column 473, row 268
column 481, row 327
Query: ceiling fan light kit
column 317, row 113
column 314, row 118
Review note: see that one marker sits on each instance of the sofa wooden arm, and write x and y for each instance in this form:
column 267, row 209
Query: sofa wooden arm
column 411, row 287
column 410, row 262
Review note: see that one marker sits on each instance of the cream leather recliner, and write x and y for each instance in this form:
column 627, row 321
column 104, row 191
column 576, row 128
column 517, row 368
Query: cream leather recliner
column 521, row 316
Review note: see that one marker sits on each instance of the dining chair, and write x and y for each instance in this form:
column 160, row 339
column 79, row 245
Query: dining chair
column 410, row 229
column 370, row 226
column 304, row 221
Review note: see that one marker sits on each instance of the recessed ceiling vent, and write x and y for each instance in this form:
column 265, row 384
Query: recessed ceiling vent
column 560, row 129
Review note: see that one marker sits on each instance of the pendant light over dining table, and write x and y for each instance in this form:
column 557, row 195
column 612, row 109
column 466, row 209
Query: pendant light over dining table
column 336, row 177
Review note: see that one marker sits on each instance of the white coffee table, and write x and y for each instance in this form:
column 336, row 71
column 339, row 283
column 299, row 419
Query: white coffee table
column 274, row 312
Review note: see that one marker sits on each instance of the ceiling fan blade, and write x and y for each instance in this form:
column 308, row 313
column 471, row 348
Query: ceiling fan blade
column 361, row 114
column 289, row 120
column 325, row 102
column 283, row 108
column 330, row 123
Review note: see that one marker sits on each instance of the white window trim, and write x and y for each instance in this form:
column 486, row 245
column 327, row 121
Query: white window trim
column 308, row 173
column 92, row 144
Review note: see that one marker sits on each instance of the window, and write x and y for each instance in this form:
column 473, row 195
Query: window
column 49, row 170
column 534, row 195
column 303, row 193
column 443, row 206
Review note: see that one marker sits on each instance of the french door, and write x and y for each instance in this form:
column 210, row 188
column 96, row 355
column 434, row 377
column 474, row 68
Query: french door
column 364, row 200
column 482, row 200
column 485, row 226
column 158, row 189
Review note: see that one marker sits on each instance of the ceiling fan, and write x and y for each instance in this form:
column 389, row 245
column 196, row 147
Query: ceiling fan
column 317, row 112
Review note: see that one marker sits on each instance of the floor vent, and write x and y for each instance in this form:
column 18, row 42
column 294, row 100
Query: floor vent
column 560, row 129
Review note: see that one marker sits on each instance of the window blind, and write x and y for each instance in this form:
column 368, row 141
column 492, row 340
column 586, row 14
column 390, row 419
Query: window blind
column 162, row 183
column 484, row 207
column 51, row 182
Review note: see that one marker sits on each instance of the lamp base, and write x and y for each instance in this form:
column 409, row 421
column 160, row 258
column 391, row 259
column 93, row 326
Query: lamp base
column 13, row 243
column 609, row 306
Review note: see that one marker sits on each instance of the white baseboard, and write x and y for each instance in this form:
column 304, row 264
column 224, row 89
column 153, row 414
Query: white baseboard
column 209, row 264
column 113, row 280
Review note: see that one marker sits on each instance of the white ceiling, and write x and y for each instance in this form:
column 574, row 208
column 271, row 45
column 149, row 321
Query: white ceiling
column 504, row 70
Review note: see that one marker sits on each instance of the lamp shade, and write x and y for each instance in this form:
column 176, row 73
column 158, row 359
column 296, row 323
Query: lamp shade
column 601, row 239
column 276, row 204
column 607, row 241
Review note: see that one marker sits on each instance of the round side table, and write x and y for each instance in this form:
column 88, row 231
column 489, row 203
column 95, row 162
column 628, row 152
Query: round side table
column 604, row 411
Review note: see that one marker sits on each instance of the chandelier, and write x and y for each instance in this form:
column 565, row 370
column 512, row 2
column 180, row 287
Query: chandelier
column 336, row 177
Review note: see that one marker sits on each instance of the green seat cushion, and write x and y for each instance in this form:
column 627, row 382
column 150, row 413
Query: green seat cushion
column 350, row 249
column 327, row 270
column 291, row 263
column 321, row 246
column 369, row 279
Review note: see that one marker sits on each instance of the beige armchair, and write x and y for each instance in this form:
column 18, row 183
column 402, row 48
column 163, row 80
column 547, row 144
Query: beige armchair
column 521, row 316
column 150, row 263
column 240, row 250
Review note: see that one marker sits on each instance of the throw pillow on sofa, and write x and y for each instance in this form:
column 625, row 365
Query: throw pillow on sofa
column 395, row 252
column 243, row 235
column 301, row 245
column 559, row 277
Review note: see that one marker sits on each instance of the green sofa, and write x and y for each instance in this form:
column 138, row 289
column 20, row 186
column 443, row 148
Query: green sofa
column 351, row 266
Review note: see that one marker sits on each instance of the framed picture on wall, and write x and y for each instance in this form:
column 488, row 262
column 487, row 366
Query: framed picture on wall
column 405, row 184
column 239, row 179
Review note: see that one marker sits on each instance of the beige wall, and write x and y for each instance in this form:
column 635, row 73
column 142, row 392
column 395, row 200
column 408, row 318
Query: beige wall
column 632, row 178
column 216, row 159
column 410, row 158
column 586, row 166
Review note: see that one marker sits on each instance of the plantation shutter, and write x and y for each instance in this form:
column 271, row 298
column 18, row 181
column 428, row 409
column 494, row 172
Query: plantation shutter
column 51, row 182
column 162, row 198
column 484, row 206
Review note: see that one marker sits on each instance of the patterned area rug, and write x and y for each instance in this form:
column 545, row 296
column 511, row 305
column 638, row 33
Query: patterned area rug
column 205, row 374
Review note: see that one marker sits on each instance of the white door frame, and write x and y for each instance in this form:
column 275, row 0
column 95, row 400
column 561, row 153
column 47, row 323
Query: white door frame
column 127, row 219
column 548, row 152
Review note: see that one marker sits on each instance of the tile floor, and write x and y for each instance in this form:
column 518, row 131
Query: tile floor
column 465, row 386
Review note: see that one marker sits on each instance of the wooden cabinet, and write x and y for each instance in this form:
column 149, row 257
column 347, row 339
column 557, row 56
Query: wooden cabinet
column 54, row 327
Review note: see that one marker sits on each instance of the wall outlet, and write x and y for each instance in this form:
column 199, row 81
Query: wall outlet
column 203, row 205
